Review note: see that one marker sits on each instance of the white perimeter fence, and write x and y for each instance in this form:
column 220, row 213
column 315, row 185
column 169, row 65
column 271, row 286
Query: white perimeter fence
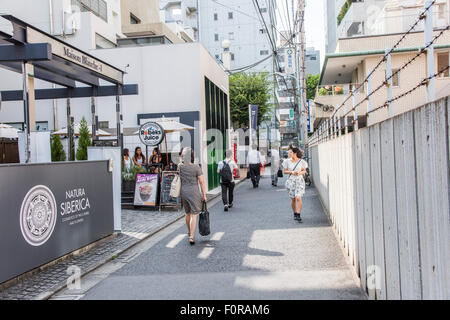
column 386, row 190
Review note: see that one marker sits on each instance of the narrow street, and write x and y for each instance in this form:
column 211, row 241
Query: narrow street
column 255, row 251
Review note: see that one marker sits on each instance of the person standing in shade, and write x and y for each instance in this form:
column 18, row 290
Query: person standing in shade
column 191, row 176
column 295, row 167
column 274, row 166
column 138, row 158
column 225, row 169
column 254, row 162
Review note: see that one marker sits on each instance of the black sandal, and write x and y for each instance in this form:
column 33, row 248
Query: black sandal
column 191, row 241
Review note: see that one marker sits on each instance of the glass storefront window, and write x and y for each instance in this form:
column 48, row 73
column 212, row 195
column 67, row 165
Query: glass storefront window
column 216, row 118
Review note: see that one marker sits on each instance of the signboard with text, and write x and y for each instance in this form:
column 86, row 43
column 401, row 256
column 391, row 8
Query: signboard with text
column 146, row 190
column 151, row 134
column 166, row 182
column 50, row 210
column 69, row 53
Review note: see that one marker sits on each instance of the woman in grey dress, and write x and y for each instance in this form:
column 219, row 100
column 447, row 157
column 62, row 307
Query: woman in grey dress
column 191, row 176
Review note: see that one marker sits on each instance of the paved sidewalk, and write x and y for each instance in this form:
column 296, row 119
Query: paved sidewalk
column 137, row 225
column 255, row 251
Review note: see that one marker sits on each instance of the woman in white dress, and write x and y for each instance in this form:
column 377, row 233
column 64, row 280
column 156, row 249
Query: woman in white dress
column 295, row 168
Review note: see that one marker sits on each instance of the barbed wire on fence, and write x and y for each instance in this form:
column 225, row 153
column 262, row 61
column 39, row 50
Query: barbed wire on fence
column 420, row 84
column 383, row 59
column 317, row 137
column 404, row 66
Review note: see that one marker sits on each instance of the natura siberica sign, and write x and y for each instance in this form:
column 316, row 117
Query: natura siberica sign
column 50, row 210
column 151, row 134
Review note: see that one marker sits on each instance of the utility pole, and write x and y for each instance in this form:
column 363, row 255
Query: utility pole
column 301, row 73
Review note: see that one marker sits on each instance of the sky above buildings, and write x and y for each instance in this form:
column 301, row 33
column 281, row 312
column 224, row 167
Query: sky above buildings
column 315, row 26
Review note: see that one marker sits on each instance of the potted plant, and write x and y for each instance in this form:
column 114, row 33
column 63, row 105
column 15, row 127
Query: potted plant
column 129, row 178
column 338, row 90
column 323, row 92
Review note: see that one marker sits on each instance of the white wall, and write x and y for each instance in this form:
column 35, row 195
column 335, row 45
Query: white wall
column 385, row 188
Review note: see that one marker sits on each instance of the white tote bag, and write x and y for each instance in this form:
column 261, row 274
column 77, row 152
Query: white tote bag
column 175, row 187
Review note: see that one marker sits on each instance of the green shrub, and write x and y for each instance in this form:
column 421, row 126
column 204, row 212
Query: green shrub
column 57, row 149
column 130, row 175
column 84, row 142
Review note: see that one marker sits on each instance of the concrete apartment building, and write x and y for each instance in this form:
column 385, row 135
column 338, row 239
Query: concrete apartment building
column 141, row 19
column 358, row 19
column 357, row 55
column 236, row 20
column 181, row 15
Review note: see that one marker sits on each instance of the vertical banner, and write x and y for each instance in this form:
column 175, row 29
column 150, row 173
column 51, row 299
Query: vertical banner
column 309, row 116
column 253, row 121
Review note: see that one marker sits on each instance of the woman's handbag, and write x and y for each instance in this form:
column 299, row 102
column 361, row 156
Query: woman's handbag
column 175, row 187
column 204, row 227
column 280, row 173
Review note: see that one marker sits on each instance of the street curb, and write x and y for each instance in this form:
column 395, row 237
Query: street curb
column 57, row 288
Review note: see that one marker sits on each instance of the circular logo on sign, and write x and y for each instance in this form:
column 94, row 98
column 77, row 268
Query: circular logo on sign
column 38, row 215
column 151, row 134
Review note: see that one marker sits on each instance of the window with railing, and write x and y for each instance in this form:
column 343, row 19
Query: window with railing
column 97, row 7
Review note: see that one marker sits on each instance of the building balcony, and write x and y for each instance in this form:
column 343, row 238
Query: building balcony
column 330, row 97
column 338, row 89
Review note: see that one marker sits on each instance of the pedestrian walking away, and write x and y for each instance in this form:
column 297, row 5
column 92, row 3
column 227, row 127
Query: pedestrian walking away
column 254, row 162
column 295, row 167
column 225, row 169
column 274, row 166
column 191, row 176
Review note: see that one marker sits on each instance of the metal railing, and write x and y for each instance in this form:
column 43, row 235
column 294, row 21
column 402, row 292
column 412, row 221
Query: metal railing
column 338, row 89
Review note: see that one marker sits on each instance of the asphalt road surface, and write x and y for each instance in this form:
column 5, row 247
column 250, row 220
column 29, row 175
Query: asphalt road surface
column 255, row 251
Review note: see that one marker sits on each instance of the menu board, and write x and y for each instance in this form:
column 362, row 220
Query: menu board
column 166, row 182
column 146, row 190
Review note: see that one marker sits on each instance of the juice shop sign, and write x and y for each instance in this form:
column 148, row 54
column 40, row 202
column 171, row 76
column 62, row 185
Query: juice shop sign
column 151, row 134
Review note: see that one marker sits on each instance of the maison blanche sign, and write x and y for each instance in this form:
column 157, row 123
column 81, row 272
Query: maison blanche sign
column 64, row 51
column 82, row 59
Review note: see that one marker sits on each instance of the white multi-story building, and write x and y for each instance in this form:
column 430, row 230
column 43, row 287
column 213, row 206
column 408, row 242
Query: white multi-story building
column 84, row 24
column 237, row 21
column 234, row 20
column 181, row 15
